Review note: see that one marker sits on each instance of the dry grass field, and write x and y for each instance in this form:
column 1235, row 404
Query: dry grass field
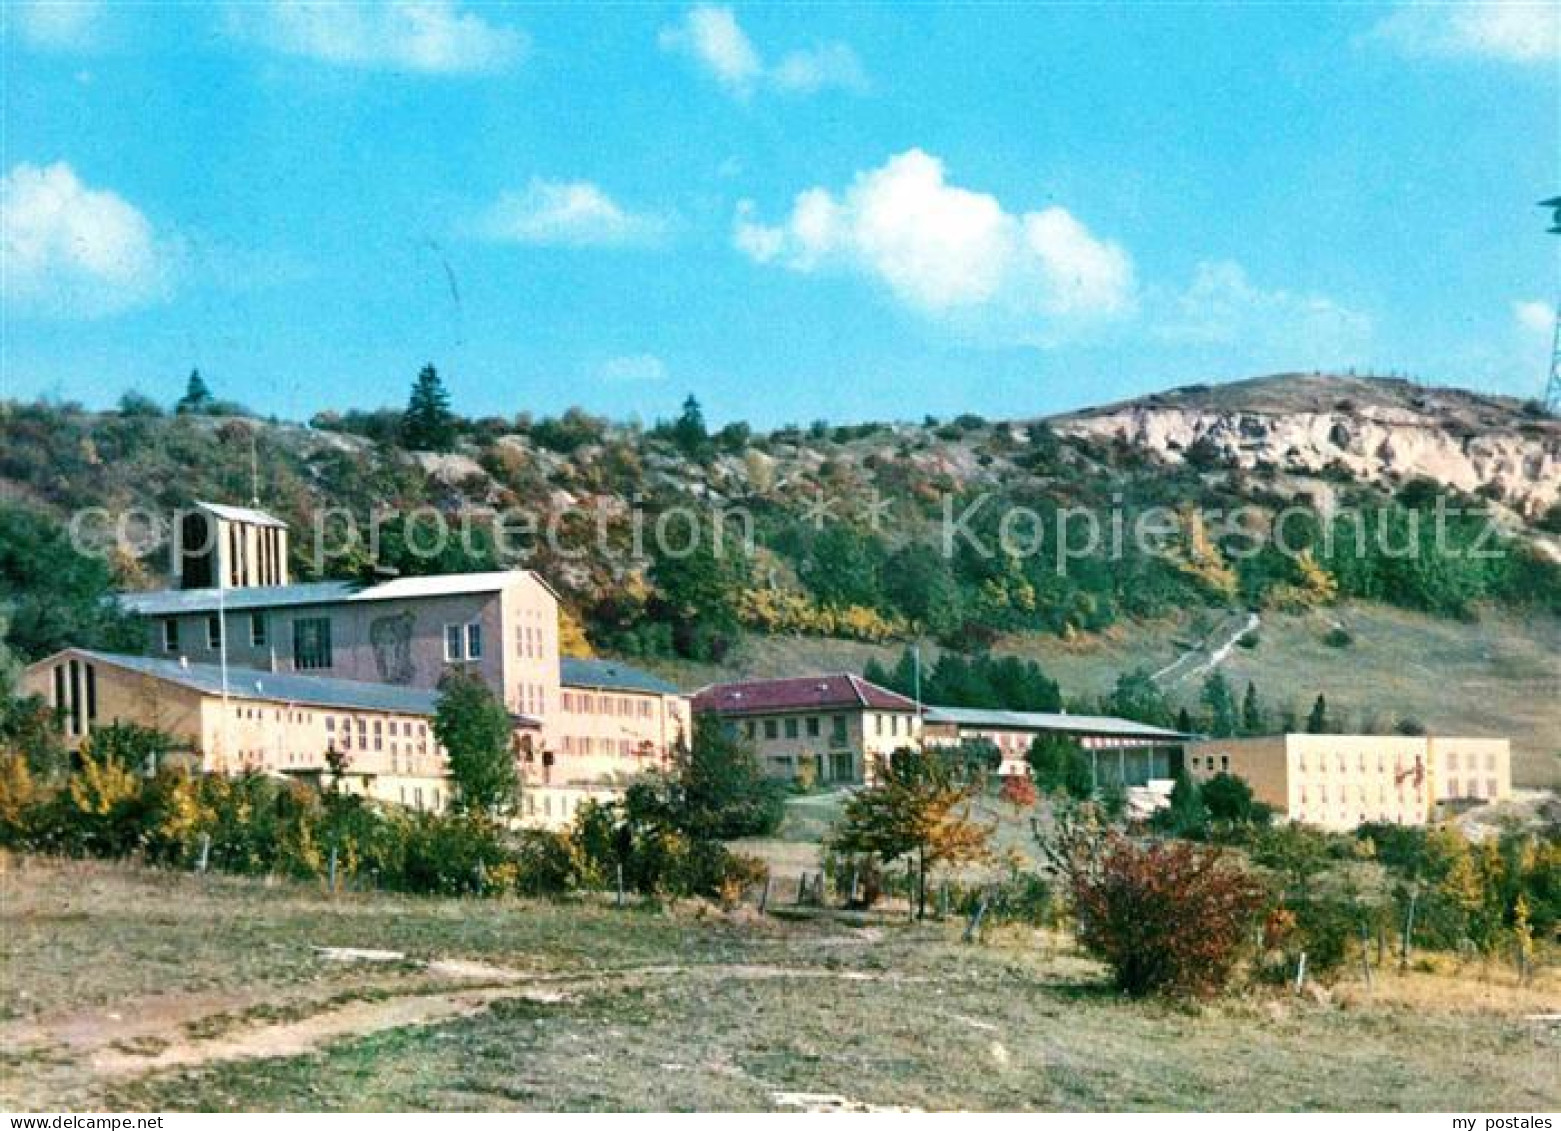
column 135, row 989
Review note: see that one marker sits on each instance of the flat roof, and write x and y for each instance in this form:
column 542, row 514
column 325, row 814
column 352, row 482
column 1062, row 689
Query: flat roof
column 1061, row 721
column 285, row 687
column 240, row 514
column 173, row 602
column 610, row 675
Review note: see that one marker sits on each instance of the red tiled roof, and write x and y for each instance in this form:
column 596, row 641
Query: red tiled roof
column 798, row 693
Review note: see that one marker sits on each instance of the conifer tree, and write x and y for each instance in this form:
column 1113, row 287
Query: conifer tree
column 428, row 425
column 1221, row 704
column 1317, row 722
column 197, row 397
column 1253, row 720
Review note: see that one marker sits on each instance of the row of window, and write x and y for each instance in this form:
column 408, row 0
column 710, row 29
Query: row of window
column 1324, row 762
column 1358, row 792
column 794, row 726
column 622, row 706
column 567, row 804
column 530, row 643
column 1471, row 760
column 259, row 632
column 894, row 725
column 1455, row 788
column 412, row 797
column 533, row 699
column 623, row 747
column 76, row 695
column 268, row 560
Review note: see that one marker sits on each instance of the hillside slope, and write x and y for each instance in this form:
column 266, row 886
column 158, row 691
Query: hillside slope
column 1500, row 675
column 842, row 573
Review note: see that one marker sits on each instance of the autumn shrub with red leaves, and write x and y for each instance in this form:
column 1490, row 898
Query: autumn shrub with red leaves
column 1019, row 791
column 1168, row 917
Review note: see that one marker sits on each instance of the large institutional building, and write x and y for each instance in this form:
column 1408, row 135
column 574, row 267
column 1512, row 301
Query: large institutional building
column 1339, row 781
column 250, row 672
column 233, row 631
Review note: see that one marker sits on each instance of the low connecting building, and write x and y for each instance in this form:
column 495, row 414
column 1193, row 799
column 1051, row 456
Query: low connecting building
column 837, row 728
column 1121, row 751
column 1339, row 781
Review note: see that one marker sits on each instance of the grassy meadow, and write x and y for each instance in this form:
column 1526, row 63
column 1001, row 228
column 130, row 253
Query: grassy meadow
column 130, row 988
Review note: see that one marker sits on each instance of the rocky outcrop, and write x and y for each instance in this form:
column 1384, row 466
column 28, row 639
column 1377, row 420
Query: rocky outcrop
column 1518, row 462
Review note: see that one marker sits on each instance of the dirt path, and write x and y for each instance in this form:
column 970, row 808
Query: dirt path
column 1210, row 653
column 184, row 1031
column 293, row 1038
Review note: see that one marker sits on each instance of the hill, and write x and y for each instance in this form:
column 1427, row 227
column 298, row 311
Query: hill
column 1374, row 430
column 865, row 536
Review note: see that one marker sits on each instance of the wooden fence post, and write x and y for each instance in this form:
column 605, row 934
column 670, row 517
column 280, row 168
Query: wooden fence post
column 1300, row 973
column 620, row 887
column 764, row 896
column 974, row 926
column 205, row 860
column 333, row 869
column 1409, row 929
column 852, row 900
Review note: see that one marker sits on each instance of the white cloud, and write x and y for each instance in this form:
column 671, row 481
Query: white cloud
column 58, row 25
column 567, row 214
column 1223, row 307
column 832, row 64
column 1535, row 317
column 633, row 368
column 712, row 37
column 74, row 251
column 951, row 252
column 1514, row 32
column 430, row 36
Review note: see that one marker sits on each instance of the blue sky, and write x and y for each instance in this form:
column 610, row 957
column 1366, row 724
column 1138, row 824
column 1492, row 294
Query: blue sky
column 795, row 212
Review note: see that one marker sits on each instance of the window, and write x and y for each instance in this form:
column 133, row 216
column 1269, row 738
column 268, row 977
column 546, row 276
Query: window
column 312, row 643
column 748, row 728
column 474, row 642
column 454, row 643
column 878, row 719
column 170, row 635
column 812, row 726
column 791, row 728
column 837, row 725
column 213, row 631
column 257, row 630
column 771, row 729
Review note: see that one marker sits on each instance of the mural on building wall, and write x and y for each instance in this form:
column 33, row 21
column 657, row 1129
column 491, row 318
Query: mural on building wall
column 391, row 638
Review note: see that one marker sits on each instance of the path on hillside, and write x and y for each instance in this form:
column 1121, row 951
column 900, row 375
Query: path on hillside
column 1210, row 652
